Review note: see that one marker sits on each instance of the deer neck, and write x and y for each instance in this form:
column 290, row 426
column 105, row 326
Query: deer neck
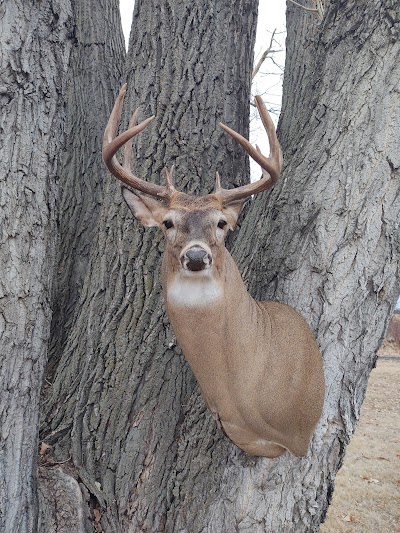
column 219, row 290
column 214, row 320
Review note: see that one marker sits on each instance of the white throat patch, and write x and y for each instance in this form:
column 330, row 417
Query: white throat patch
column 194, row 290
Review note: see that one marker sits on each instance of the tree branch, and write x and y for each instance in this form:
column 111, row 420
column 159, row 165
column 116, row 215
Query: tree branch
column 263, row 56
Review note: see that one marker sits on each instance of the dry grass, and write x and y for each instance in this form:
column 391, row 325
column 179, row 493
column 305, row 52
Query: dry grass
column 367, row 488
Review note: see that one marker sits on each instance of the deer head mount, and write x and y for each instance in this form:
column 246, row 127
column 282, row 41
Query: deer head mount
column 257, row 364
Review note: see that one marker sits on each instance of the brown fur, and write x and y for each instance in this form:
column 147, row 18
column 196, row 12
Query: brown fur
column 257, row 364
column 180, row 200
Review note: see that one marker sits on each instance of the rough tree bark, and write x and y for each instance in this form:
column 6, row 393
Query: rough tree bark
column 94, row 74
column 124, row 407
column 35, row 48
column 121, row 387
column 330, row 248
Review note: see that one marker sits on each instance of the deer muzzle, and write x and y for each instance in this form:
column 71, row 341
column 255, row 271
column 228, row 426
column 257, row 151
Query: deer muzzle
column 196, row 258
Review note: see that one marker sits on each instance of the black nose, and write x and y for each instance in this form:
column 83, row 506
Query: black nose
column 196, row 258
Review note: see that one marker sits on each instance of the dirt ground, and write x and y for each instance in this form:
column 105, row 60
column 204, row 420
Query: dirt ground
column 367, row 488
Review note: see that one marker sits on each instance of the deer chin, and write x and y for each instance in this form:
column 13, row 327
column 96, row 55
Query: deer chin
column 194, row 289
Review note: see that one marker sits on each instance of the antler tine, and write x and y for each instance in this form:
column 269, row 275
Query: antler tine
column 218, row 187
column 169, row 178
column 271, row 165
column 111, row 144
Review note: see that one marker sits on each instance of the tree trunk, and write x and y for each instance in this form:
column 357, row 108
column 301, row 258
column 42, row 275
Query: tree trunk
column 35, row 48
column 331, row 244
column 122, row 385
column 96, row 64
column 124, row 408
column 94, row 75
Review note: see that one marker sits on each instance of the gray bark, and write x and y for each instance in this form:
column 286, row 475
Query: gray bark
column 62, row 507
column 95, row 71
column 124, row 406
column 35, row 48
column 331, row 245
column 94, row 75
column 122, row 385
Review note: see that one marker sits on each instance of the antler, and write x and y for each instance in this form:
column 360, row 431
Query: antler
column 111, row 145
column 271, row 166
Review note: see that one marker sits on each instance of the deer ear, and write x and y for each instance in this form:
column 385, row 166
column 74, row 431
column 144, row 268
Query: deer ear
column 146, row 210
column 232, row 212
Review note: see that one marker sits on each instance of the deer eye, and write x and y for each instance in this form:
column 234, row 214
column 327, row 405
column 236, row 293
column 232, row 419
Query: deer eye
column 168, row 223
column 221, row 224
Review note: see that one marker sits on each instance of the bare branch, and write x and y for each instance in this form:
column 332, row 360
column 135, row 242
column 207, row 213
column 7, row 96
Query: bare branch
column 263, row 56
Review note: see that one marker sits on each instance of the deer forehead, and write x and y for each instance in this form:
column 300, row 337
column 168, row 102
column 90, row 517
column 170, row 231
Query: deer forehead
column 195, row 221
column 188, row 203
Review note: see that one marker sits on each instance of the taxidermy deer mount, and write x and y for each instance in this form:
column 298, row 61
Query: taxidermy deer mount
column 257, row 364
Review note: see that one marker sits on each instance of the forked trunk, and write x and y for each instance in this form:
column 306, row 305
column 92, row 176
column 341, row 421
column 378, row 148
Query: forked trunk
column 118, row 399
column 123, row 406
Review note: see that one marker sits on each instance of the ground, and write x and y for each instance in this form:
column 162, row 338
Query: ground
column 367, row 488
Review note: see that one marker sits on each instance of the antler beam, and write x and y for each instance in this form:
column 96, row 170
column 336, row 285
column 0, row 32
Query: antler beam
column 112, row 143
